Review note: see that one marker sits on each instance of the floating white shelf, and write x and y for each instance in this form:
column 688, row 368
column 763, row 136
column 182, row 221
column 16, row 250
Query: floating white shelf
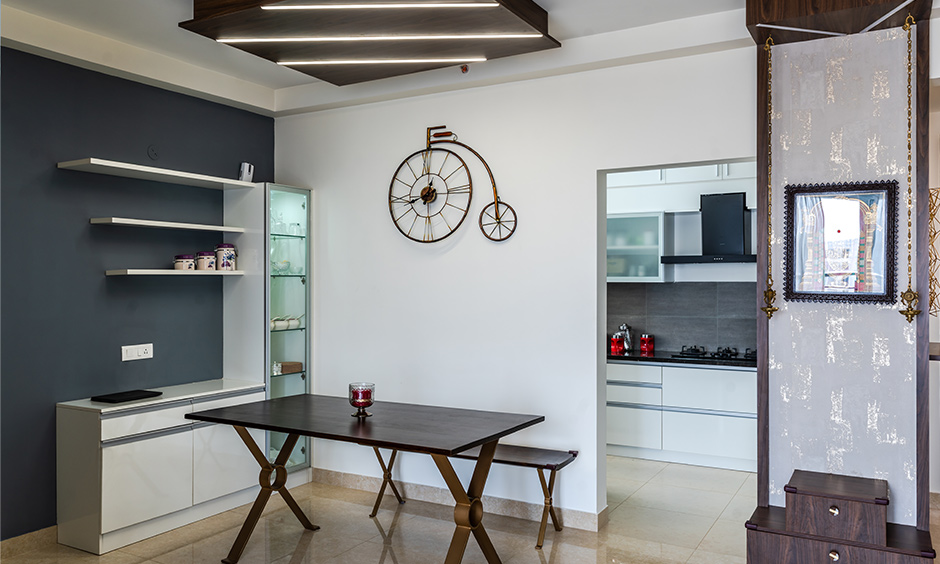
column 164, row 224
column 171, row 272
column 127, row 170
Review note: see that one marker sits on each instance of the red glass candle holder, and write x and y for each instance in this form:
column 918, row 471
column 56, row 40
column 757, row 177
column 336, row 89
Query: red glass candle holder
column 361, row 396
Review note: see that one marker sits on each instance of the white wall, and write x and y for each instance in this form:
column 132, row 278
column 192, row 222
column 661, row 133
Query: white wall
column 510, row 326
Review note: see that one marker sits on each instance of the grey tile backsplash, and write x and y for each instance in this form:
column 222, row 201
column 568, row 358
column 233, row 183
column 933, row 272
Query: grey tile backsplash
column 708, row 314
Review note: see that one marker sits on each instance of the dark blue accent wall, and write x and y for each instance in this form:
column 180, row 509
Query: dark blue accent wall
column 63, row 321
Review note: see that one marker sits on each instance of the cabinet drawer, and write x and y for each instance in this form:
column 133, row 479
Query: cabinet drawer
column 763, row 547
column 144, row 479
column 721, row 390
column 837, row 518
column 143, row 422
column 225, row 402
column 635, row 373
column 715, row 435
column 636, row 427
column 634, row 394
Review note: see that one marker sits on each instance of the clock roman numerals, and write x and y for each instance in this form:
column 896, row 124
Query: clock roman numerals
column 429, row 195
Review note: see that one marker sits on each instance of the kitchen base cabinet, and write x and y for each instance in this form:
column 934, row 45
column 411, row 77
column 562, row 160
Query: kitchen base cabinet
column 714, row 435
column 634, row 426
column 689, row 414
column 126, row 472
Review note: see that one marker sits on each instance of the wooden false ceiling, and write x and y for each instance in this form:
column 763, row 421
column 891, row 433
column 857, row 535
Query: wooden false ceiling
column 220, row 19
column 838, row 16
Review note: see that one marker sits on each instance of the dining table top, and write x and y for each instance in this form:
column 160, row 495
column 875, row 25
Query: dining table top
column 403, row 426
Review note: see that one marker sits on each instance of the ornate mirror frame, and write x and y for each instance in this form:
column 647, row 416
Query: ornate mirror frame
column 805, row 243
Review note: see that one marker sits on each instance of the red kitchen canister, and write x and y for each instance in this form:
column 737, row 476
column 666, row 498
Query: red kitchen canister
column 647, row 344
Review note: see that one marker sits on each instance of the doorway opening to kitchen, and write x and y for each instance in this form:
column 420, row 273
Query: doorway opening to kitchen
column 681, row 333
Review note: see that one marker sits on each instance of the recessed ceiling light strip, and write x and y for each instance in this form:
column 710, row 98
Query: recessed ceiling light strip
column 326, row 39
column 886, row 16
column 381, row 6
column 817, row 31
column 382, row 61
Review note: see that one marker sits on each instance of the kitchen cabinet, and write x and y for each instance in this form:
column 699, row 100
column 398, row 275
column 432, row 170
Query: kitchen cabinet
column 635, row 243
column 692, row 414
column 288, row 304
column 128, row 471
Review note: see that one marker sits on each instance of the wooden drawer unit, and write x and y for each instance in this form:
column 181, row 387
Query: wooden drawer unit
column 839, row 507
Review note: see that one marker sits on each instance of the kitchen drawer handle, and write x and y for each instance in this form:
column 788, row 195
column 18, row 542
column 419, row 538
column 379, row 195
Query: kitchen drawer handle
column 833, row 555
column 834, row 511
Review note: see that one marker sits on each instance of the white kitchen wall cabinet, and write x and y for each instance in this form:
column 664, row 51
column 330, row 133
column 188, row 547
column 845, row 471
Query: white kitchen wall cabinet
column 635, row 245
column 128, row 471
column 691, row 414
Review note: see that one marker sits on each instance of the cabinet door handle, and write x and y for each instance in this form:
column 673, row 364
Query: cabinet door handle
column 833, row 555
column 834, row 511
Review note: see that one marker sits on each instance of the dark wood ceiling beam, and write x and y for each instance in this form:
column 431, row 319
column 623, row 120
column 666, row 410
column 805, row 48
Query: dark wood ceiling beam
column 226, row 19
column 841, row 16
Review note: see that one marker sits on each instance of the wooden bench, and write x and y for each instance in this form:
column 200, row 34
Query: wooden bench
column 528, row 457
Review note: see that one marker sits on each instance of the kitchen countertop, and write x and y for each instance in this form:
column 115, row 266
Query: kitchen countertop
column 666, row 357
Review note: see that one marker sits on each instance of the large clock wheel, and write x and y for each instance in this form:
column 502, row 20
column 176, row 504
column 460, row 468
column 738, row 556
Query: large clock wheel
column 430, row 194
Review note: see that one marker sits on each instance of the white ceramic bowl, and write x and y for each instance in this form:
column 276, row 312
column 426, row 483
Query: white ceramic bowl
column 280, row 324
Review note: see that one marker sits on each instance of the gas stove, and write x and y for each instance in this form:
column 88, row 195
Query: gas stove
column 693, row 351
column 725, row 353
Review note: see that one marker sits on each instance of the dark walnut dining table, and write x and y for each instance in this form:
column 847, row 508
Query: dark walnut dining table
column 441, row 432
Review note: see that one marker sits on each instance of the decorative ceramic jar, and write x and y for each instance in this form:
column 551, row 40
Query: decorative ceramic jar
column 205, row 260
column 225, row 256
column 184, row 262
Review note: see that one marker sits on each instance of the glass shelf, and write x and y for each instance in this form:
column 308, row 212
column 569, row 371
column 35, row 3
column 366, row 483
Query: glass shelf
column 286, row 236
column 303, row 374
column 288, row 330
column 288, row 276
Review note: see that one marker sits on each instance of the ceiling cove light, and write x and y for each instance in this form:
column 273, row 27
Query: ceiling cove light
column 325, row 39
column 381, row 6
column 382, row 61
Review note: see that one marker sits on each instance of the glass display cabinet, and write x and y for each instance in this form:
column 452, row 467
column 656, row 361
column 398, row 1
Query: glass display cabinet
column 288, row 304
column 635, row 247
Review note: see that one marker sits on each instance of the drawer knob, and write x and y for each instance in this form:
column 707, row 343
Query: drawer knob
column 834, row 556
column 833, row 510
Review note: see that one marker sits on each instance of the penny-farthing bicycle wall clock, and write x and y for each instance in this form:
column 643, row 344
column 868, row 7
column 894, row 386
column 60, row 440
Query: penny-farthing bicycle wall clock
column 430, row 193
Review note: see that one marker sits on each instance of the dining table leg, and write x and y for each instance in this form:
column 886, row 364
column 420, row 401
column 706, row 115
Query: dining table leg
column 268, row 486
column 468, row 512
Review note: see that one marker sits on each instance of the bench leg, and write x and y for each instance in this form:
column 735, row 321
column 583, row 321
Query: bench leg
column 549, row 511
column 386, row 480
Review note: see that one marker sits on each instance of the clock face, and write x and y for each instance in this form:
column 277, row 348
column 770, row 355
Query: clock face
column 430, row 194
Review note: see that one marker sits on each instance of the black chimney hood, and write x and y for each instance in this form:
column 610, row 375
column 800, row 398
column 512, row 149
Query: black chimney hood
column 725, row 231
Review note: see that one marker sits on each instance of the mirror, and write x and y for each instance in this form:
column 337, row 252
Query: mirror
column 841, row 242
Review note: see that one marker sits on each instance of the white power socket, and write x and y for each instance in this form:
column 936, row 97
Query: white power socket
column 136, row 352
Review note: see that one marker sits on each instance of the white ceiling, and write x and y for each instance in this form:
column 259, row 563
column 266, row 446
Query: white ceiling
column 152, row 25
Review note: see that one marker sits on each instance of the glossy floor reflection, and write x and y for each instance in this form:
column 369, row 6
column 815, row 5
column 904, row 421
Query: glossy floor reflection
column 659, row 513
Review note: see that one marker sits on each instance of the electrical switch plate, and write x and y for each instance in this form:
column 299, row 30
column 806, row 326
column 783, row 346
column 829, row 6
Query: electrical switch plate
column 136, row 352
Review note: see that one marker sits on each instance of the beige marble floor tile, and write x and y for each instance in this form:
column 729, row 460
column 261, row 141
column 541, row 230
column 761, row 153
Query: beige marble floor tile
column 635, row 469
column 617, row 545
column 57, row 553
column 726, row 537
column 749, row 488
column 645, row 523
column 701, row 478
column 619, row 489
column 705, row 557
column 680, row 500
column 740, row 508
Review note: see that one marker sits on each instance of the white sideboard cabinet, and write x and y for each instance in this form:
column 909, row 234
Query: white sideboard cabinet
column 128, row 471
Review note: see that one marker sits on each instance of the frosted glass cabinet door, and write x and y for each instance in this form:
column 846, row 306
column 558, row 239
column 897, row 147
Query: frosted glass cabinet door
column 146, row 478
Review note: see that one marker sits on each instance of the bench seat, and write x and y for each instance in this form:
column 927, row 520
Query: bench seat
column 514, row 455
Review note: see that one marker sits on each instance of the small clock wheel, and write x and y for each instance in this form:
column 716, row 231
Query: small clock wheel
column 430, row 193
column 498, row 221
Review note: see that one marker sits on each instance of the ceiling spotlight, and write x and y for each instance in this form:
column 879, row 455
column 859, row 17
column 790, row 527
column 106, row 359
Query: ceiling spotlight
column 326, row 39
column 382, row 61
column 381, row 6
